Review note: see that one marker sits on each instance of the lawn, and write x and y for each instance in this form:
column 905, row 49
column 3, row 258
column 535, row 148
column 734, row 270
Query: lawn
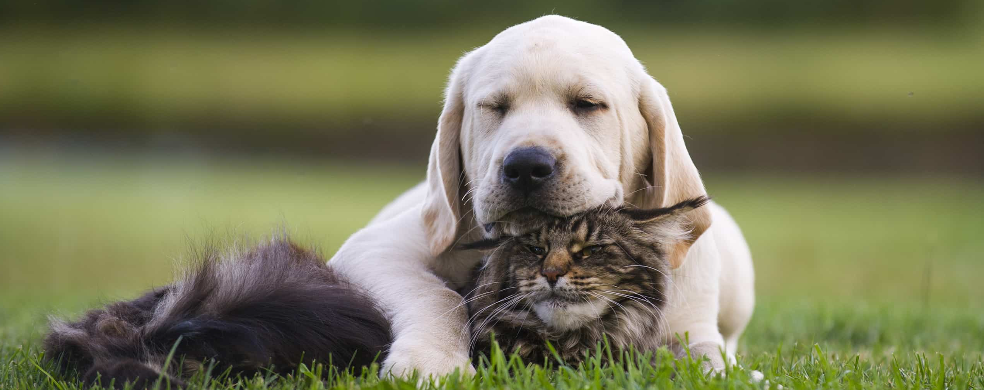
column 863, row 282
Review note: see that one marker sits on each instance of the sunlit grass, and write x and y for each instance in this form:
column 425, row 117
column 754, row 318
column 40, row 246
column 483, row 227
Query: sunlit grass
column 796, row 366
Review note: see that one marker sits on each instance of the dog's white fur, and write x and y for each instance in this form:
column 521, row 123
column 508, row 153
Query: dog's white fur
column 516, row 91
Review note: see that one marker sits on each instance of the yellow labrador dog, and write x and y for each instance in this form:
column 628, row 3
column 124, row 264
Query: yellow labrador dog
column 552, row 117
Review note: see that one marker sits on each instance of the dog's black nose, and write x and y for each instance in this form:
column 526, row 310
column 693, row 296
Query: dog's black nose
column 526, row 169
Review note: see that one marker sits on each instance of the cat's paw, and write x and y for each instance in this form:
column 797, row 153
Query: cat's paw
column 407, row 356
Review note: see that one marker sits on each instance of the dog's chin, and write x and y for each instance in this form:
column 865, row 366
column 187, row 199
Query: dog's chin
column 526, row 218
column 512, row 213
column 522, row 221
column 515, row 222
column 519, row 221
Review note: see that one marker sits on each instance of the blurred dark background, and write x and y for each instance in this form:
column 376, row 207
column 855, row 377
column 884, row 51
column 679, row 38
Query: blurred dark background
column 765, row 85
column 846, row 137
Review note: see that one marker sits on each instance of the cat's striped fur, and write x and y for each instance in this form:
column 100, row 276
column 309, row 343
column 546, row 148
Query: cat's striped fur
column 576, row 281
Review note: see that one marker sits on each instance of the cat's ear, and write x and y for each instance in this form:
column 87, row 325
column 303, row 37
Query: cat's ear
column 668, row 224
column 484, row 244
column 665, row 213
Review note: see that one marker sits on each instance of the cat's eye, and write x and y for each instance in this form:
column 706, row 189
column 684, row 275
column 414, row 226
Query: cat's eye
column 588, row 251
column 537, row 250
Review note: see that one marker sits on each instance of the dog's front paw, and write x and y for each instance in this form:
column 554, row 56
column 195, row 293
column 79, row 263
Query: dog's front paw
column 408, row 355
column 710, row 355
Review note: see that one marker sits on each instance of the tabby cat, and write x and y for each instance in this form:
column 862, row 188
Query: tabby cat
column 577, row 281
column 572, row 282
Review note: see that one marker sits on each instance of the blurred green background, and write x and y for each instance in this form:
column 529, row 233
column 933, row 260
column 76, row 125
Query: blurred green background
column 845, row 136
column 871, row 84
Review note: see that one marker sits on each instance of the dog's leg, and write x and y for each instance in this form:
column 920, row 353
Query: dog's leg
column 390, row 259
column 694, row 304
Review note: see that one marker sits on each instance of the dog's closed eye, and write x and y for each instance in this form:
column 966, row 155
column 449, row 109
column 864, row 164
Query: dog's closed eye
column 586, row 105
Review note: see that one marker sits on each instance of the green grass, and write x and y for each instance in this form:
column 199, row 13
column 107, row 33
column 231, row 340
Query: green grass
column 862, row 282
column 723, row 80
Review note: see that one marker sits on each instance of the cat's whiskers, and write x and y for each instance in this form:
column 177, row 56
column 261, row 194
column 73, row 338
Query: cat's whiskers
column 526, row 313
column 651, row 312
column 480, row 330
column 498, row 317
column 604, row 325
column 474, row 316
column 468, row 300
column 617, row 317
column 639, row 294
column 657, row 312
column 669, row 279
column 478, row 287
column 510, row 296
column 648, row 267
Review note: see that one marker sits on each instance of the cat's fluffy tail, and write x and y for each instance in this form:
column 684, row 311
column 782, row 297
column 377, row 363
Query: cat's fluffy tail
column 277, row 304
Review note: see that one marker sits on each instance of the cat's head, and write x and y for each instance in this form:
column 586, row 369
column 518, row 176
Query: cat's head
column 574, row 270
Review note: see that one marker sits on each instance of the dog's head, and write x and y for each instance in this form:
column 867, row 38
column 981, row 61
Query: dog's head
column 553, row 117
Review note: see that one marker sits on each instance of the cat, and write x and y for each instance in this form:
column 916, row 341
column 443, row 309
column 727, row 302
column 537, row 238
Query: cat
column 573, row 282
column 277, row 305
column 577, row 281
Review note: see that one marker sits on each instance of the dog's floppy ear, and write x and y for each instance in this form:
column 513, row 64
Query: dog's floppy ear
column 674, row 177
column 442, row 206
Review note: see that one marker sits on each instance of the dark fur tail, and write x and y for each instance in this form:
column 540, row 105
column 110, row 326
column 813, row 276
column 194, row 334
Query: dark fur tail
column 277, row 305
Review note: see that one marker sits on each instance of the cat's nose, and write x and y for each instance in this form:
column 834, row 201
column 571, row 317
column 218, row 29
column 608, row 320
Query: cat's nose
column 552, row 274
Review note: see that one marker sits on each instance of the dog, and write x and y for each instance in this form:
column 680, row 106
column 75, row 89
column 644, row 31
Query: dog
column 550, row 118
